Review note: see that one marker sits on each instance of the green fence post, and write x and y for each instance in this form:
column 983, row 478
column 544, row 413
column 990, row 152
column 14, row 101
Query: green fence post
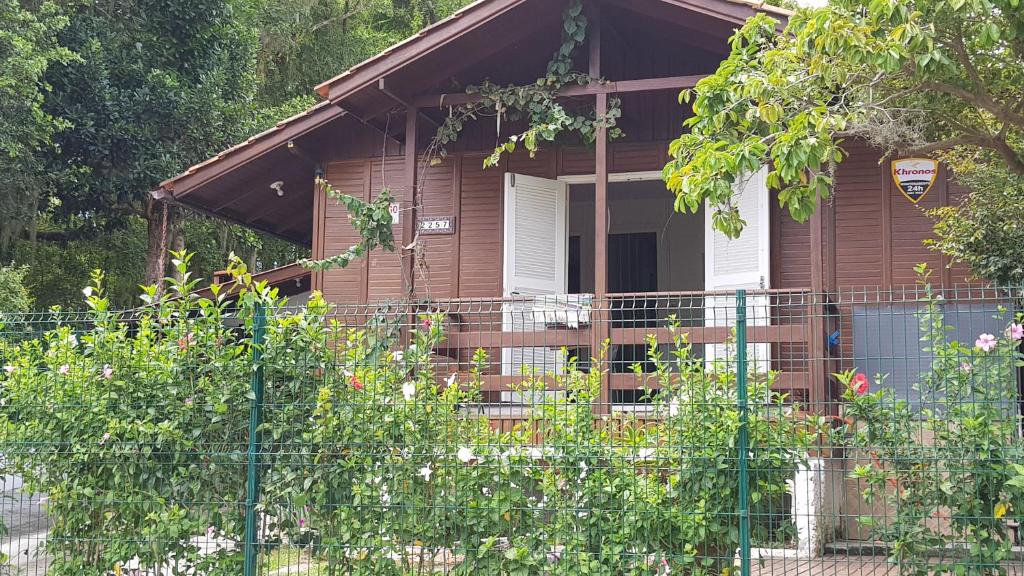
column 252, row 491
column 743, row 442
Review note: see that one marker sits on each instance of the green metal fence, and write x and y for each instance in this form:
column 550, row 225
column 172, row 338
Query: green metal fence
column 741, row 432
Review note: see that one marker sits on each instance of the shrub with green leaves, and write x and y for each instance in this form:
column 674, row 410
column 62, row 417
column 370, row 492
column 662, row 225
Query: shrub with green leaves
column 136, row 426
column 943, row 466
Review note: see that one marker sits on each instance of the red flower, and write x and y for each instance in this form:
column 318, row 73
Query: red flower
column 860, row 384
column 356, row 383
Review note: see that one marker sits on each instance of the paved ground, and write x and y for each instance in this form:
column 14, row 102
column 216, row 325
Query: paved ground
column 26, row 524
column 841, row 566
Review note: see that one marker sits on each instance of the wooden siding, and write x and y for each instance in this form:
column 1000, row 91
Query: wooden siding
column 878, row 233
column 344, row 285
column 480, row 230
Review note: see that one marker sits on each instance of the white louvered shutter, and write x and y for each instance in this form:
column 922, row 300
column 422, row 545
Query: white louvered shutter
column 744, row 262
column 536, row 264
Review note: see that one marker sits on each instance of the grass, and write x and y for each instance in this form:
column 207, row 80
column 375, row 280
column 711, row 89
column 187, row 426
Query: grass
column 290, row 561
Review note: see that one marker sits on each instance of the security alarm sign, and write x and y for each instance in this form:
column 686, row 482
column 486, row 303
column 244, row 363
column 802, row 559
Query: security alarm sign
column 915, row 176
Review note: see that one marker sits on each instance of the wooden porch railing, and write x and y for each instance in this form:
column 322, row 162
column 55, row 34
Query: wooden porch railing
column 787, row 321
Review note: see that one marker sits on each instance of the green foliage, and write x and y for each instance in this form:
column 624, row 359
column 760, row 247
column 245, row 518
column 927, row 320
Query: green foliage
column 986, row 230
column 371, row 457
column 917, row 458
column 305, row 42
column 910, row 77
column 155, row 459
column 156, row 87
column 537, row 104
column 372, row 220
column 28, row 47
column 14, row 297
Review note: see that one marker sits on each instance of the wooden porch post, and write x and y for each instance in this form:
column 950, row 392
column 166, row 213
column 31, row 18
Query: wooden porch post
column 408, row 204
column 817, row 363
column 601, row 328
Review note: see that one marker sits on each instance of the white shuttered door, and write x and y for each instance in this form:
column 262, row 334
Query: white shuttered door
column 536, row 263
column 743, row 262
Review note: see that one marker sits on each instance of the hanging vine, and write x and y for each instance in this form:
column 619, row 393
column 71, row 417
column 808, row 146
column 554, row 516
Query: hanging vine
column 536, row 103
column 372, row 220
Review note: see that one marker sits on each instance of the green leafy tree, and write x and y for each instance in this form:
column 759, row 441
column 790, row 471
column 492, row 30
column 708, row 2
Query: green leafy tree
column 304, row 42
column 28, row 48
column 920, row 77
column 157, row 86
column 14, row 296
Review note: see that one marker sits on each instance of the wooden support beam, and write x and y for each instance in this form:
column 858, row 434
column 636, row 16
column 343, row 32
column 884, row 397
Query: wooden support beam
column 301, row 153
column 591, row 89
column 602, row 323
column 387, row 92
column 162, row 195
column 409, row 203
column 319, row 230
column 815, row 310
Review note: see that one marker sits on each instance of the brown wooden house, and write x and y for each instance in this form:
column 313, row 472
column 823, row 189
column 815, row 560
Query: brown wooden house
column 503, row 249
column 573, row 219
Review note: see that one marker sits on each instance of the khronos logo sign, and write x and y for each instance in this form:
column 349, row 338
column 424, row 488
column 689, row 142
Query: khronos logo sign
column 915, row 176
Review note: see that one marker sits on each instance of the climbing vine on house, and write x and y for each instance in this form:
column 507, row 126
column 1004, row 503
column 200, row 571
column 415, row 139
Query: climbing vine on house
column 537, row 104
column 372, row 220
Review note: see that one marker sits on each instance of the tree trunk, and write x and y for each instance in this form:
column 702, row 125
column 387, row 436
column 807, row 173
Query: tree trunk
column 157, row 214
column 177, row 232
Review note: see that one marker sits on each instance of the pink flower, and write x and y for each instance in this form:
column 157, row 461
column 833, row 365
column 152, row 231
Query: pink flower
column 1017, row 331
column 64, row 369
column 302, row 522
column 189, row 401
column 186, row 341
column 105, row 438
column 427, row 323
column 860, row 384
column 9, row 369
column 108, row 372
column 986, row 342
column 966, row 367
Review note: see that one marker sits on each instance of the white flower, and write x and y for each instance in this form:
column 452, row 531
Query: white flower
column 87, row 291
column 426, row 471
column 645, row 454
column 9, row 369
column 451, row 379
column 409, row 390
column 72, row 340
column 398, row 355
column 673, row 407
column 64, row 369
column 108, row 372
column 486, row 491
column 466, row 455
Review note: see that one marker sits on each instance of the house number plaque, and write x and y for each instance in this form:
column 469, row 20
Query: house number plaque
column 437, row 226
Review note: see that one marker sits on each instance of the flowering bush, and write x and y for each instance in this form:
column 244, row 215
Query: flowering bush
column 944, row 468
column 137, row 428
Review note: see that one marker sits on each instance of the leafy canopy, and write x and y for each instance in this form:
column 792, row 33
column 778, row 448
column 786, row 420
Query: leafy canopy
column 920, row 77
column 28, row 47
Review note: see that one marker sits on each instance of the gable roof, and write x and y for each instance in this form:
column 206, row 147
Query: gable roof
column 234, row 184
column 482, row 12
